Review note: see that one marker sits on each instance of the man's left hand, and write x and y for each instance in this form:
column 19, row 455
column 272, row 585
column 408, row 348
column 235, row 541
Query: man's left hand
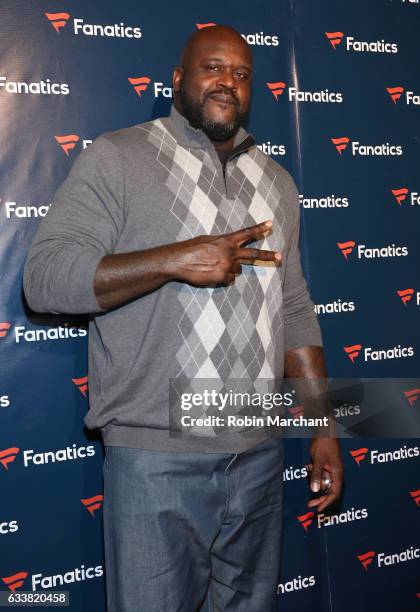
column 326, row 457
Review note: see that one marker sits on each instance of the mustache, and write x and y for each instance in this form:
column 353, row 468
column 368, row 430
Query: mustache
column 224, row 93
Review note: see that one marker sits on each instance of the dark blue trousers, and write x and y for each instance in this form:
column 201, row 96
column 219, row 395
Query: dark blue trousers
column 189, row 532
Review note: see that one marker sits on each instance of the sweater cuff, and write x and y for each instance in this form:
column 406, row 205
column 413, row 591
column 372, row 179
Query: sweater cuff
column 302, row 333
column 82, row 292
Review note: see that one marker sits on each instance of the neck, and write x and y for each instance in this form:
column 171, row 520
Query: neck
column 226, row 145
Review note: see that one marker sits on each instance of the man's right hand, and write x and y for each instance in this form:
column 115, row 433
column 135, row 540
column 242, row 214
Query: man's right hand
column 213, row 260
column 206, row 261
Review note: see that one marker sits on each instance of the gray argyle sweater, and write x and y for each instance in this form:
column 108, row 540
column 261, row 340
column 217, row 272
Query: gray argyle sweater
column 153, row 184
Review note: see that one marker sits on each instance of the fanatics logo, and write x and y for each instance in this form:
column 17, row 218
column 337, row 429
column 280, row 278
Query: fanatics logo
column 39, row 88
column 4, row 328
column 410, row 96
column 81, row 384
column 296, row 95
column 416, row 496
column 16, row 581
column 412, row 395
column 306, row 519
column 353, row 351
column 140, row 84
column 93, row 503
column 74, row 575
column 335, row 306
column 365, row 252
column 272, row 149
column 366, row 558
column 276, row 88
column 116, row 30
column 8, row 455
column 340, row 143
column 405, row 295
column 395, row 93
column 359, row 454
column 67, row 142
column 365, row 150
column 22, row 211
column 335, row 38
column 201, row 26
column 400, row 194
column 346, row 247
column 330, row 201
column 58, row 20
column 377, row 46
column 257, row 38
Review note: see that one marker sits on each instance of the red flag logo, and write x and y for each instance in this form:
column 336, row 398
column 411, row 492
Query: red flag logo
column 405, row 295
column 81, row 384
column 366, row 558
column 140, row 84
column 93, row 503
column 306, row 519
column 395, row 93
column 201, row 26
column 276, row 88
column 4, row 328
column 416, row 496
column 412, row 395
column 400, row 194
column 340, row 143
column 335, row 38
column 58, row 20
column 16, row 581
column 68, row 142
column 8, row 455
column 359, row 454
column 353, row 351
column 346, row 247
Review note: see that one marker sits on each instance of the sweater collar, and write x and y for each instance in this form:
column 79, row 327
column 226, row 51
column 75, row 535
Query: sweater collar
column 195, row 138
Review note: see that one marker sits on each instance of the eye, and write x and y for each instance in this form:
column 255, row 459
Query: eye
column 212, row 67
column 242, row 75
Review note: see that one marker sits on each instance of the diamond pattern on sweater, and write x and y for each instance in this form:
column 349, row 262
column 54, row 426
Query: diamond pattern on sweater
column 227, row 332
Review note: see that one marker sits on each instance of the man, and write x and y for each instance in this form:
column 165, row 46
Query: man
column 148, row 234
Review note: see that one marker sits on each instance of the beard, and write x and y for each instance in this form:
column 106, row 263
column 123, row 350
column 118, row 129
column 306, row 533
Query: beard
column 217, row 131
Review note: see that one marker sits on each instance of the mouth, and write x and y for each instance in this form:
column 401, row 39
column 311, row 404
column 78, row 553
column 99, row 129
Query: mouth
column 223, row 99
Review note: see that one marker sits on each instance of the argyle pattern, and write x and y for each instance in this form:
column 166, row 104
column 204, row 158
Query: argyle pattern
column 227, row 332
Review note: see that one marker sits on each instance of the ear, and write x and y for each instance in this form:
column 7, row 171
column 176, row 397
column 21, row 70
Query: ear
column 177, row 78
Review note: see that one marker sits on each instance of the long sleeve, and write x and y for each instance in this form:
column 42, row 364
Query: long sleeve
column 300, row 321
column 82, row 225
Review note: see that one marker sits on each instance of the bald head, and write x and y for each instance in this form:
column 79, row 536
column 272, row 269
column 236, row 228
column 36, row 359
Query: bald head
column 212, row 84
column 210, row 36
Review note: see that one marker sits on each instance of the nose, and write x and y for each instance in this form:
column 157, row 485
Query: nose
column 227, row 80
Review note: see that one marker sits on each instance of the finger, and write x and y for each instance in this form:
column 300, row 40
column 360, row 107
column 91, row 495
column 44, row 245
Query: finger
column 328, row 501
column 337, row 474
column 250, row 255
column 313, row 503
column 255, row 232
column 316, row 475
column 229, row 278
column 236, row 268
column 322, row 502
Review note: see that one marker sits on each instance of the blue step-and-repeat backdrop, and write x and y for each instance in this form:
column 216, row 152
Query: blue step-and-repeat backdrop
column 336, row 100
